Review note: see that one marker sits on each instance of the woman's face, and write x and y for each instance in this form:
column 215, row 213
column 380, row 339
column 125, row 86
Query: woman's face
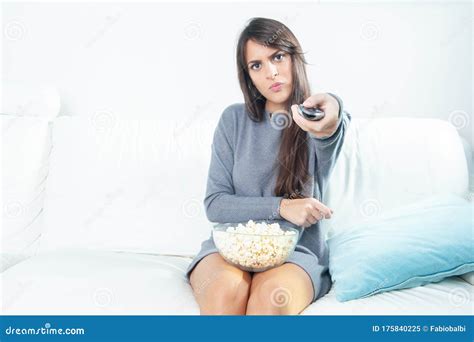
column 270, row 72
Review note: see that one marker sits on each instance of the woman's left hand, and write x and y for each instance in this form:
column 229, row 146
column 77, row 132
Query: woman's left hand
column 327, row 125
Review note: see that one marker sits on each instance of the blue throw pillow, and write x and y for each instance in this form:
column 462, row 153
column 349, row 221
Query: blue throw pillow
column 405, row 247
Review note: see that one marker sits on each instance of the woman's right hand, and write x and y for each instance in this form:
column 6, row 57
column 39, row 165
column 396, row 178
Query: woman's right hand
column 304, row 211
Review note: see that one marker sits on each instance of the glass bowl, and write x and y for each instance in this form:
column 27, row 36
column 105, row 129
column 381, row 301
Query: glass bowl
column 255, row 252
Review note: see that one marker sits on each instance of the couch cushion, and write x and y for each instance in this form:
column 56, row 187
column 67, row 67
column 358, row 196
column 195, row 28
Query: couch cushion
column 30, row 99
column 127, row 184
column 452, row 296
column 78, row 282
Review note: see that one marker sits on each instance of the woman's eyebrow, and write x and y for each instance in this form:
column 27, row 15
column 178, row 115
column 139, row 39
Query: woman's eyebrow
column 254, row 61
column 271, row 56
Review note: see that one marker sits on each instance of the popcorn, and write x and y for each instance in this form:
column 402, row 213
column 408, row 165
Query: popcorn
column 255, row 246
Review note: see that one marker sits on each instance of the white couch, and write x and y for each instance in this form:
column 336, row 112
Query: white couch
column 110, row 245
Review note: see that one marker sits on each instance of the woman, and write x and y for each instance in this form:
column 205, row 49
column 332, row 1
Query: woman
column 268, row 162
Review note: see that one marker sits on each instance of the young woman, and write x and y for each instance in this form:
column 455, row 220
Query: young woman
column 268, row 162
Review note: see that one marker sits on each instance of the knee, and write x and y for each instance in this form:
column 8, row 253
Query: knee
column 227, row 294
column 269, row 298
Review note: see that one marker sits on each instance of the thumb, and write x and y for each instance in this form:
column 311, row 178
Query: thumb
column 316, row 100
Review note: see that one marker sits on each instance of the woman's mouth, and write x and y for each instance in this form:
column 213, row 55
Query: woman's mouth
column 275, row 87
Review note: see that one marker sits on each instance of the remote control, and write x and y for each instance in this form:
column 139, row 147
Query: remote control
column 313, row 114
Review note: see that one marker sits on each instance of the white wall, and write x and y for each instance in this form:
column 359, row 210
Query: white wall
column 149, row 59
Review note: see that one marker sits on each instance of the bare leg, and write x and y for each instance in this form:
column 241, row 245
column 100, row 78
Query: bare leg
column 283, row 290
column 220, row 288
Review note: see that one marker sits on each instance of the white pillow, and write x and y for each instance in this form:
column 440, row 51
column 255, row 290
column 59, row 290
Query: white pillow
column 26, row 144
column 389, row 162
column 127, row 184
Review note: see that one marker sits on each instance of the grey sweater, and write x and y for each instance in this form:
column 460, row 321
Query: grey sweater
column 244, row 168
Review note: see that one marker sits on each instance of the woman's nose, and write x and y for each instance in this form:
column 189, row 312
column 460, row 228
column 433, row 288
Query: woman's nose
column 273, row 71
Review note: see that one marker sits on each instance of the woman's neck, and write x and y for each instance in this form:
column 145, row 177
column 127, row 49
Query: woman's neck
column 274, row 107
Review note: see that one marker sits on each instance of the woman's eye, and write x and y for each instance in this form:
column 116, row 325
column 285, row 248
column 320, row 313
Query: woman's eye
column 279, row 57
column 255, row 66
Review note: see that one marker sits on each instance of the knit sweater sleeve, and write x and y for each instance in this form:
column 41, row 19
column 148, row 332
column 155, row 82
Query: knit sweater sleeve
column 328, row 149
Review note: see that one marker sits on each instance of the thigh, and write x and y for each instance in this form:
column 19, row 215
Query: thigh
column 212, row 270
column 288, row 287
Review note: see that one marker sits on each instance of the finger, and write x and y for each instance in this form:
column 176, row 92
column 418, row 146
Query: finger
column 298, row 119
column 322, row 216
column 316, row 100
column 325, row 215
column 316, row 217
column 294, row 109
column 321, row 207
column 294, row 112
column 311, row 219
column 306, row 125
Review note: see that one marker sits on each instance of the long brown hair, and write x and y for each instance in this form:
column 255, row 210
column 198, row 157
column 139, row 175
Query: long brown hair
column 293, row 153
